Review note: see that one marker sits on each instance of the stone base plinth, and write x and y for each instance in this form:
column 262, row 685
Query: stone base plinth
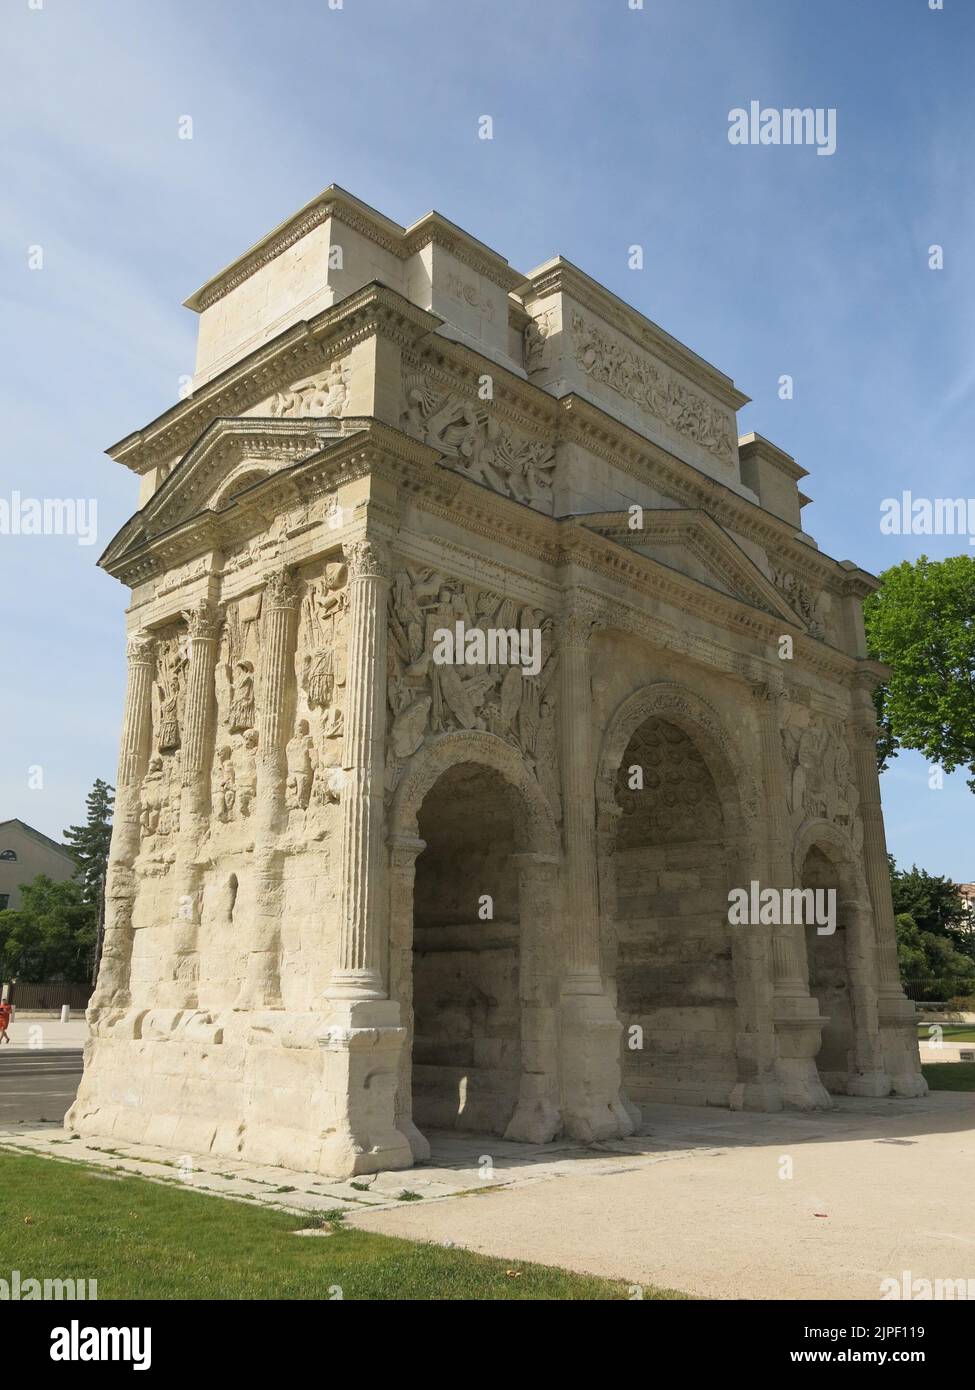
column 298, row 1091
column 593, row 1106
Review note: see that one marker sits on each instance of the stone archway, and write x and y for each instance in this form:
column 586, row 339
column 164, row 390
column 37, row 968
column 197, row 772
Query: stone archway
column 700, row 990
column 502, row 1074
column 840, row 965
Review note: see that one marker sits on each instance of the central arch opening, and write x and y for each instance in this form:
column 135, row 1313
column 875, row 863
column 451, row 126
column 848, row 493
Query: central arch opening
column 466, row 955
column 674, row 970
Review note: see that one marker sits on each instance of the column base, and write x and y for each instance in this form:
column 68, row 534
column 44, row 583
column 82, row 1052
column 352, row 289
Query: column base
column 899, row 1045
column 534, row 1122
column 419, row 1143
column 763, row 1095
column 800, row 1085
column 799, row 1033
column 871, row 1084
column 362, row 1040
column 592, row 1105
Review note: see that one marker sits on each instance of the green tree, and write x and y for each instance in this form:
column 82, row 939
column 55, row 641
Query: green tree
column 930, row 965
column 921, row 622
column 933, row 902
column 51, row 934
column 89, row 842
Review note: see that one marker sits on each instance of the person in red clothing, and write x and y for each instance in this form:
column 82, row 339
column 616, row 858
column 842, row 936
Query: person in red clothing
column 4, row 1021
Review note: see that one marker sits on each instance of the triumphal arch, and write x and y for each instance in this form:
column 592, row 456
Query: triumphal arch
column 474, row 661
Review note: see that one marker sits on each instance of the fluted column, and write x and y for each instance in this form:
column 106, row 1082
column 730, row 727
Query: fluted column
column 358, row 973
column 593, row 1105
column 797, row 1022
column 261, row 985
column 278, row 622
column 896, row 1013
column 788, row 946
column 113, row 988
column 363, row 1038
column 579, row 806
column 403, row 851
column 196, row 738
column 203, row 623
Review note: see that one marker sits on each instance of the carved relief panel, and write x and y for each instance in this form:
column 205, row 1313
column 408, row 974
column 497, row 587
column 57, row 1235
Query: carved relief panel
column 426, row 697
column 470, row 436
column 234, row 768
column 314, row 749
column 159, row 794
column 323, row 394
column 814, row 608
column 820, row 774
column 655, row 390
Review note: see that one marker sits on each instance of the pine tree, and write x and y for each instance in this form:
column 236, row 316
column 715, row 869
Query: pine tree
column 89, row 843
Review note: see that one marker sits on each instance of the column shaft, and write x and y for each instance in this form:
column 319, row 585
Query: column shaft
column 359, row 970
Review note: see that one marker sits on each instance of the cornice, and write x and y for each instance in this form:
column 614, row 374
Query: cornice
column 564, row 544
column 297, row 352
column 399, row 241
column 591, row 427
column 561, row 276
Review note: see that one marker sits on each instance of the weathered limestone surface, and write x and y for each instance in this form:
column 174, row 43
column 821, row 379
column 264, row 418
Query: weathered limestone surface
column 357, row 888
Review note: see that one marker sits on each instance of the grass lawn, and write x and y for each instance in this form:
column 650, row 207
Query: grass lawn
column 141, row 1239
column 950, row 1076
column 950, row 1032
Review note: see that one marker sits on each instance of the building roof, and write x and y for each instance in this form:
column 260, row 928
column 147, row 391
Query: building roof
column 36, row 835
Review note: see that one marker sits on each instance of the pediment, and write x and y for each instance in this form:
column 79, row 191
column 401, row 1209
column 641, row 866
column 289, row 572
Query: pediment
column 692, row 543
column 230, row 456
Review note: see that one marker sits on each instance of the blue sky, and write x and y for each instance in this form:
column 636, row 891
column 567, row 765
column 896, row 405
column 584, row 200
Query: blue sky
column 610, row 128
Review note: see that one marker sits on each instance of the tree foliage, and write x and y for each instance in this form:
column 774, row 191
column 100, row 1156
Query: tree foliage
column 89, row 842
column 51, row 935
column 921, row 622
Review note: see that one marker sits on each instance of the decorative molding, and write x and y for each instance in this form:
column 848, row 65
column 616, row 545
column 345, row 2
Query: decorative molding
column 658, row 393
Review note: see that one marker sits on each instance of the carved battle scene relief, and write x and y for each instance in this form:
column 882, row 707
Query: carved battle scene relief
column 426, row 697
column 314, row 748
column 821, row 782
column 653, row 389
column 467, row 433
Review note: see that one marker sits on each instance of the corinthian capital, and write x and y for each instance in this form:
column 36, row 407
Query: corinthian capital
column 141, row 649
column 202, row 619
column 281, row 589
column 578, row 622
column 367, row 560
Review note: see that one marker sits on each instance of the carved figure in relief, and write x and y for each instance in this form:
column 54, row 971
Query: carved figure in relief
column 534, row 346
column 325, row 394
column 427, row 697
column 152, row 794
column 242, row 698
column 484, row 449
column 245, row 771
column 300, row 767
column 169, row 714
column 327, row 779
column 225, row 794
column 322, row 608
